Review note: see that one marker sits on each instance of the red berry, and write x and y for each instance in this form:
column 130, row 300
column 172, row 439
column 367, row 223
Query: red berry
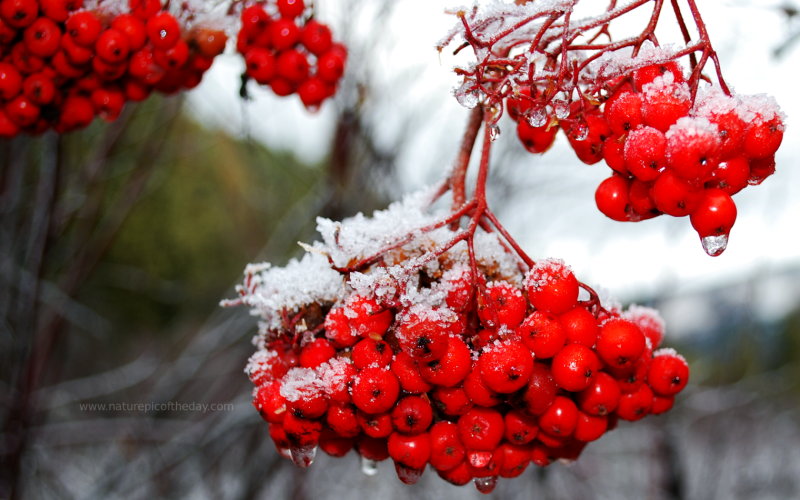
column 84, row 27
column 763, row 138
column 664, row 102
column 541, row 390
column 163, row 30
column 601, row 397
column 552, row 287
column 675, row 196
column 366, row 317
column 316, row 37
column 452, row 401
column 112, row 46
column 377, row 425
column 693, row 149
column 284, row 34
column 520, row 428
column 316, row 352
column 646, row 153
column 412, row 451
column 574, row 366
column 612, row 198
column 635, row 405
column 369, row 352
column 536, row 139
column 506, row 367
column 333, row 444
column 589, row 427
column 300, row 431
column 580, row 326
column 662, row 404
column 19, row 13
column 341, row 418
column 291, row 8
column 614, row 154
column 209, row 42
column 108, row 103
column 501, row 305
column 145, row 9
column 451, row 368
column 22, row 111
column 424, row 335
column 624, row 113
column 560, row 418
column 620, row 343
column 647, row 74
column 375, row 390
column 447, row 452
column 330, row 64
column 372, row 448
column 515, row 459
column 59, row 10
column 269, row 402
column 292, row 65
column 478, row 391
column 481, row 429
column 730, row 175
column 407, row 372
column 10, row 81
column 715, row 214
column 39, row 88
column 42, row 37
column 668, row 373
column 133, row 28
column 589, row 149
column 313, row 91
column 412, row 415
column 543, row 334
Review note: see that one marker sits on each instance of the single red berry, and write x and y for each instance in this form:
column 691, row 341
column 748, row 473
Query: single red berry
column 133, row 28
column 269, row 403
column 574, row 366
column 763, row 138
column 536, row 140
column 330, row 64
column 668, row 373
column 447, row 452
column 22, row 111
column 730, row 175
column 76, row 54
column 662, row 404
column 730, row 131
column 378, row 425
column 316, row 37
column 519, row 103
column 580, row 326
column 369, row 352
column 601, row 397
column 112, row 46
column 632, row 377
column 715, row 214
column 647, row 74
column 635, row 405
column 481, row 429
column 675, row 196
column 541, row 390
column 254, row 18
column 108, row 103
column 316, row 352
column 313, row 91
column 375, row 390
column 174, row 57
column 39, row 88
column 311, row 405
column 19, row 13
column 520, row 428
column 515, row 459
column 292, row 65
column 664, row 102
column 341, row 418
column 693, row 149
column 590, row 427
column 588, row 149
column 144, row 9
column 477, row 390
column 451, row 368
column 501, row 305
column 541, row 455
column 283, row 34
column 163, row 30
column 42, row 37
column 366, row 317
column 59, row 10
column 410, row 450
column 84, row 27
column 10, row 81
column 620, row 343
column 337, row 327
column 641, row 201
column 301, row 431
column 412, row 415
column 614, row 154
column 424, row 335
column 209, row 42
column 612, row 198
column 280, row 439
column 333, row 444
column 107, row 71
column 291, row 8
column 551, row 286
column 645, row 153
column 452, row 401
column 143, row 66
column 135, row 90
column 624, row 113
column 506, row 366
column 560, row 418
column 760, row 169
column 408, row 375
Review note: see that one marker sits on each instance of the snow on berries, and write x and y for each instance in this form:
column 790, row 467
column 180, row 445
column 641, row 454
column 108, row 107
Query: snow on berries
column 474, row 370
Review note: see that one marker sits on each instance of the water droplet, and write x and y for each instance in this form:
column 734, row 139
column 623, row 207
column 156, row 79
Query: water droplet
column 560, row 109
column 313, row 108
column 303, row 456
column 566, row 461
column 494, row 132
column 715, row 245
column 580, row 131
column 407, row 474
column 467, row 96
column 285, row 453
column 537, row 117
column 479, row 459
column 369, row 467
column 485, row 484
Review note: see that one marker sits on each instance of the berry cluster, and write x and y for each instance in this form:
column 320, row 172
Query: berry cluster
column 670, row 154
column 290, row 52
column 475, row 371
column 62, row 65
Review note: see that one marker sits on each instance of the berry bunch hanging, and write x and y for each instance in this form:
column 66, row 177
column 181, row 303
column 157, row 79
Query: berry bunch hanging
column 433, row 354
column 677, row 144
column 63, row 64
column 290, row 52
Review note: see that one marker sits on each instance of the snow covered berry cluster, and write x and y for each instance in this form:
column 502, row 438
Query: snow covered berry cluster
column 421, row 357
column 64, row 62
column 291, row 52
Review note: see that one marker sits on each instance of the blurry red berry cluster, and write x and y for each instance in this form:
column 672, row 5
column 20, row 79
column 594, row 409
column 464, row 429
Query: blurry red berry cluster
column 61, row 65
column 499, row 373
column 290, row 52
column 670, row 153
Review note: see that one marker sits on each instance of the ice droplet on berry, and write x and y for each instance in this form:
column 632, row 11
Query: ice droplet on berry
column 580, row 131
column 407, row 474
column 494, row 132
column 715, row 245
column 303, row 456
column 369, row 467
column 561, row 109
column 537, row 117
column 485, row 484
